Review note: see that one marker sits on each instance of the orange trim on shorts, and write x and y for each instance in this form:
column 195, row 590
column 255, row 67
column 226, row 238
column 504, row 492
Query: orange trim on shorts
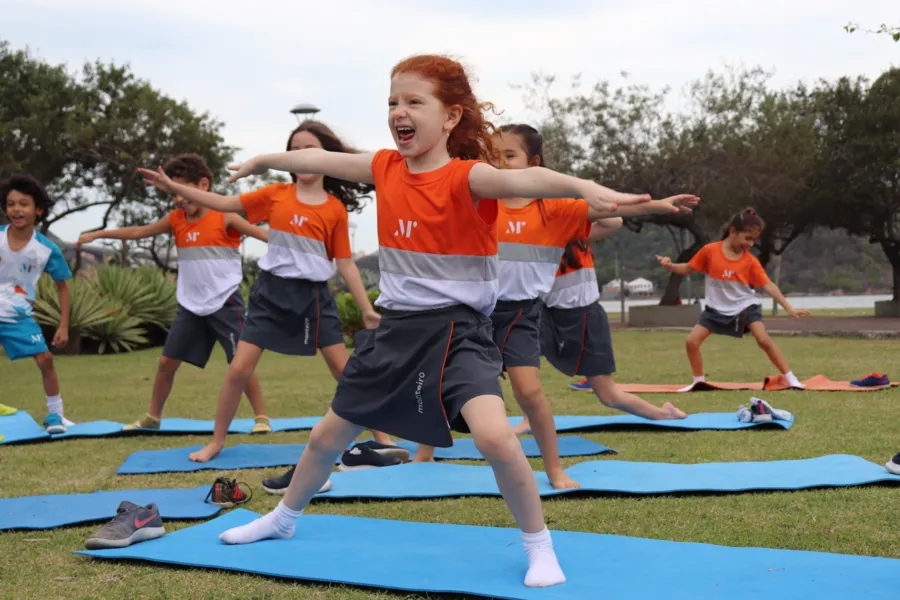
column 580, row 354
column 441, row 382
column 508, row 331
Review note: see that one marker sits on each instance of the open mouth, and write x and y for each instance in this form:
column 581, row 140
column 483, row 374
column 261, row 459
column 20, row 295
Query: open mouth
column 405, row 134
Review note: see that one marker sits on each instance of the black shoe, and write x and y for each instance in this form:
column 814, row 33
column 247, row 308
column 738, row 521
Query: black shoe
column 279, row 485
column 893, row 465
column 132, row 524
column 363, row 456
column 227, row 493
column 387, row 450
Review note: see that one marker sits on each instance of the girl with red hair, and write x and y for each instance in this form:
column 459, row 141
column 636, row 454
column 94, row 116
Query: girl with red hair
column 431, row 366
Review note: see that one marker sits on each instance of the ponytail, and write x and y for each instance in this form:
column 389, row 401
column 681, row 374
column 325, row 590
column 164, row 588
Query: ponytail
column 745, row 220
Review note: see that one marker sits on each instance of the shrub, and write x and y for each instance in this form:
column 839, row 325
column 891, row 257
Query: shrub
column 351, row 315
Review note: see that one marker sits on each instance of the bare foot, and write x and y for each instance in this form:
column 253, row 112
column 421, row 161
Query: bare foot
column 423, row 455
column 207, row 453
column 673, row 411
column 523, row 427
column 560, row 481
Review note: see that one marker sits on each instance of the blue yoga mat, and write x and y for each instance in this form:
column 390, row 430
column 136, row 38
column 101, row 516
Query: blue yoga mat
column 489, row 561
column 249, row 456
column 436, row 480
column 698, row 421
column 20, row 427
column 47, row 512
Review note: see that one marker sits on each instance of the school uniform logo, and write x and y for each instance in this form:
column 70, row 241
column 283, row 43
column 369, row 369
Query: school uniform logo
column 406, row 228
column 420, row 383
column 193, row 236
column 28, row 267
column 514, row 226
column 728, row 274
column 298, row 221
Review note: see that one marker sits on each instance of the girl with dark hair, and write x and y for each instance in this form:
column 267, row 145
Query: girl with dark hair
column 544, row 257
column 292, row 310
column 732, row 273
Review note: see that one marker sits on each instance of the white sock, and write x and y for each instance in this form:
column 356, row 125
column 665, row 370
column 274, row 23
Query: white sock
column 278, row 524
column 699, row 378
column 792, row 379
column 543, row 567
column 55, row 405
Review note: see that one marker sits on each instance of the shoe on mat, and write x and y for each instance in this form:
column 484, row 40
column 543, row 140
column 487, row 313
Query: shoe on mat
column 146, row 422
column 362, row 456
column 759, row 412
column 893, row 465
column 388, row 450
column 279, row 485
column 53, row 423
column 131, row 525
column 777, row 413
column 581, row 386
column 261, row 425
column 872, row 381
column 227, row 493
column 744, row 415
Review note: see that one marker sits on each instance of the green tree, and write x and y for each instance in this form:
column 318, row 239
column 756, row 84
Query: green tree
column 891, row 30
column 858, row 174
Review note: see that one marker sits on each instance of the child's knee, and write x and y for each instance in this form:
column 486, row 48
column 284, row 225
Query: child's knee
column 322, row 439
column 44, row 362
column 498, row 444
column 765, row 342
column 531, row 398
column 168, row 365
column 239, row 372
column 692, row 344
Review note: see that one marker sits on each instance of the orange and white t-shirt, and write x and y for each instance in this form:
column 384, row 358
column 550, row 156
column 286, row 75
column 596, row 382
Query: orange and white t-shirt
column 209, row 262
column 729, row 283
column 304, row 239
column 576, row 287
column 435, row 248
column 531, row 244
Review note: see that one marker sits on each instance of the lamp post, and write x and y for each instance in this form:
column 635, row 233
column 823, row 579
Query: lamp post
column 305, row 111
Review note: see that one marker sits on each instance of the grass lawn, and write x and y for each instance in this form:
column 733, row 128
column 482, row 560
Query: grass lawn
column 39, row 564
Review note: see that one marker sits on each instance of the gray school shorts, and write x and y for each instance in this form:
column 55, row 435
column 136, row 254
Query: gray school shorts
column 730, row 325
column 191, row 338
column 292, row 316
column 411, row 377
column 577, row 341
column 517, row 332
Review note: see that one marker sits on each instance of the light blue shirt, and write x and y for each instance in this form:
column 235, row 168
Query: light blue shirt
column 20, row 272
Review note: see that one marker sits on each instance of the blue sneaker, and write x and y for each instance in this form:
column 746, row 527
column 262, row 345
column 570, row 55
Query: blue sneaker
column 872, row 381
column 53, row 424
column 581, row 386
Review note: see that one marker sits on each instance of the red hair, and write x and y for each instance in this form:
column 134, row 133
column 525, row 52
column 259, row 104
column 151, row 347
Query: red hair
column 471, row 139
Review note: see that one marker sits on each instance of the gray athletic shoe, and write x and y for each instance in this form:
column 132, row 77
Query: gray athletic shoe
column 133, row 524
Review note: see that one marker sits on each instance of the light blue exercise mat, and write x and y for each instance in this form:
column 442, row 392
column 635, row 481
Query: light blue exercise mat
column 437, row 480
column 47, row 512
column 489, row 561
column 252, row 456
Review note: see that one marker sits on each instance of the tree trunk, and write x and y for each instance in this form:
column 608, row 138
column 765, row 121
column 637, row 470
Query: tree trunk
column 671, row 294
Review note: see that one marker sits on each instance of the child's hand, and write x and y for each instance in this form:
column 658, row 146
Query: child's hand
column 246, row 169
column 371, row 319
column 665, row 262
column 158, row 179
column 681, row 203
column 84, row 238
column 799, row 313
column 602, row 199
column 61, row 338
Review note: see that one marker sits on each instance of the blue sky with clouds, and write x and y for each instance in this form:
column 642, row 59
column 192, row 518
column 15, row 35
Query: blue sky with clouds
column 248, row 63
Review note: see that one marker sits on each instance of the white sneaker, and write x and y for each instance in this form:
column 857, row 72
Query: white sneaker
column 893, row 465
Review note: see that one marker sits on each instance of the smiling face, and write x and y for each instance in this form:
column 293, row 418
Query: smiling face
column 512, row 151
column 742, row 241
column 21, row 210
column 190, row 209
column 300, row 141
column 418, row 120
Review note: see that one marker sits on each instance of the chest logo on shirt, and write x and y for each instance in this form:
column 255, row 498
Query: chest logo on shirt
column 193, row 236
column 406, row 228
column 298, row 221
column 28, row 267
column 728, row 274
column 514, row 226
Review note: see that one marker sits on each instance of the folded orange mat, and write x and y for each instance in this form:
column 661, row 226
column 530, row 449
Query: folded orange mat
column 819, row 383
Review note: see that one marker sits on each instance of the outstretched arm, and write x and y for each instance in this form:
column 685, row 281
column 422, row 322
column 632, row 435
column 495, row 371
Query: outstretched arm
column 350, row 272
column 161, row 181
column 677, row 268
column 126, row 233
column 486, row 181
column 682, row 203
column 314, row 161
column 604, row 228
column 240, row 224
column 773, row 292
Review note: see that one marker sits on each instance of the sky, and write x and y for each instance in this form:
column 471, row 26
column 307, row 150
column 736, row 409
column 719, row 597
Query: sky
column 249, row 63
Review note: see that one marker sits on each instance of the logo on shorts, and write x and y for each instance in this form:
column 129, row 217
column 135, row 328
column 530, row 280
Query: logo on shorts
column 37, row 338
column 306, row 331
column 406, row 228
column 514, row 226
column 419, row 385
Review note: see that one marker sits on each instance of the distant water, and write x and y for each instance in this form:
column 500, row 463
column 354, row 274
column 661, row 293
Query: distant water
column 807, row 302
